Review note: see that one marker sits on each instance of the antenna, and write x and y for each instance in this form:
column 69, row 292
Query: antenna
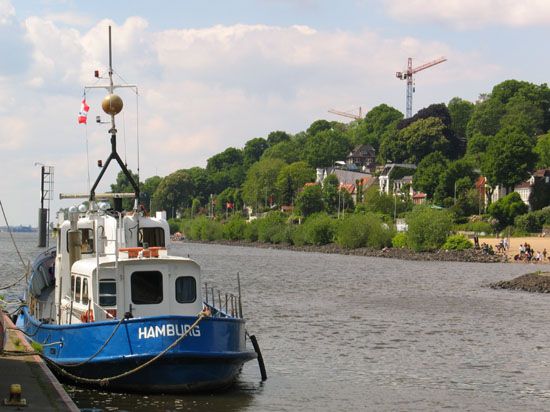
column 112, row 105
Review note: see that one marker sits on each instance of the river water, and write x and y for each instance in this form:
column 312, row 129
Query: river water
column 360, row 333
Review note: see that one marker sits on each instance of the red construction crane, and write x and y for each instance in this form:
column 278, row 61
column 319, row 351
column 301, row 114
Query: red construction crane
column 408, row 75
column 348, row 114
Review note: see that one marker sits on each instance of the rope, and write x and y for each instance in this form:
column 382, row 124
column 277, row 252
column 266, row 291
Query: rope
column 72, row 365
column 105, row 381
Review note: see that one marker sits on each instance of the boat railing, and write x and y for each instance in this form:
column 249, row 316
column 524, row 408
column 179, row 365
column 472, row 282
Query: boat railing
column 223, row 305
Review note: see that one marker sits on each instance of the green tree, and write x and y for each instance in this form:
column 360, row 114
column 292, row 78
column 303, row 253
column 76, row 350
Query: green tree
column 325, row 147
column 461, row 112
column 148, row 189
column 509, row 158
column 429, row 173
column 253, row 150
column 174, row 193
column 310, row 200
column 318, row 126
column 289, row 151
column 225, row 160
column 122, row 185
column 428, row 228
column 330, row 193
column 276, row 137
column 291, row 178
column 505, row 210
column 486, row 117
column 260, row 184
column 542, row 149
column 380, row 121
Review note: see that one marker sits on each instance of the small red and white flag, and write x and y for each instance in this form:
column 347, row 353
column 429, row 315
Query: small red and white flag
column 83, row 113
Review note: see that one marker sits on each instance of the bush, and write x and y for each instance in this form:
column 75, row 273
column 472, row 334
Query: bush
column 533, row 221
column 505, row 210
column 477, row 227
column 428, row 228
column 271, row 228
column 319, row 229
column 363, row 230
column 234, row 228
column 457, row 242
column 206, row 229
column 251, row 231
column 174, row 225
column 298, row 236
column 399, row 240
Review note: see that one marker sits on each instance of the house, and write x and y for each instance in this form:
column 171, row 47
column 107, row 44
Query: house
column 387, row 174
column 362, row 157
column 526, row 188
column 349, row 180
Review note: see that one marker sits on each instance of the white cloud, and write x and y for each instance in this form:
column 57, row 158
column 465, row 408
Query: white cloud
column 472, row 13
column 7, row 12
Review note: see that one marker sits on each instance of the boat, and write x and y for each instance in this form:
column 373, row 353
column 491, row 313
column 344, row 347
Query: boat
column 109, row 307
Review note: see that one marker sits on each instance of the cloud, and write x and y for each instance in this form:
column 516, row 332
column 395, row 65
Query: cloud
column 7, row 12
column 472, row 13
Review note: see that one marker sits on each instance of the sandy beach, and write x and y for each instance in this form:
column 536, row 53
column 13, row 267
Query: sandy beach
column 538, row 244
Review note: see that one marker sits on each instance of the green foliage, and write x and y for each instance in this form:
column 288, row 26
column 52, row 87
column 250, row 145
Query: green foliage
column 509, row 158
column 260, row 183
column 234, row 228
column 271, row 228
column 533, row 222
column 478, row 226
column 506, row 209
column 457, row 242
column 319, row 229
column 430, row 172
column 253, row 150
column 357, row 230
column 379, row 202
column 174, row 192
column 325, row 147
column 204, row 229
column 399, row 241
column 542, row 149
column 460, row 111
column 380, row 121
column 428, row 228
column 174, row 225
column 225, row 160
column 251, row 231
column 310, row 200
column 292, row 178
column 122, row 185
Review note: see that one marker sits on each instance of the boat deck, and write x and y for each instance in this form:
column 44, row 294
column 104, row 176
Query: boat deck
column 39, row 387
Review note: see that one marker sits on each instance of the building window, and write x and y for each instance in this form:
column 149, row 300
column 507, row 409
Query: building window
column 153, row 236
column 186, row 289
column 146, row 287
column 107, row 292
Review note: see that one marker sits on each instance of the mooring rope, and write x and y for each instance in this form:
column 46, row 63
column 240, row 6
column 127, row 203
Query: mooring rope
column 105, row 381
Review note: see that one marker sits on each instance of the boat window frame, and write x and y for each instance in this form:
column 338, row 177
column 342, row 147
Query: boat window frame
column 78, row 289
column 107, row 295
column 157, row 234
column 159, row 287
column 85, row 298
column 182, row 301
column 89, row 240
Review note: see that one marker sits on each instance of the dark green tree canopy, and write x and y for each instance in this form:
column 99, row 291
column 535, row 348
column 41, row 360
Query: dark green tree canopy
column 253, row 150
column 310, row 200
column 174, row 192
column 460, row 111
column 379, row 122
column 542, row 149
column 225, row 160
column 276, row 137
column 318, row 126
column 429, row 173
column 325, row 147
column 506, row 209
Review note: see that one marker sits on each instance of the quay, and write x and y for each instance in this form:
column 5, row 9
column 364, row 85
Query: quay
column 39, row 387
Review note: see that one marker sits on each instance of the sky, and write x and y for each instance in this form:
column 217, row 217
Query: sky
column 216, row 74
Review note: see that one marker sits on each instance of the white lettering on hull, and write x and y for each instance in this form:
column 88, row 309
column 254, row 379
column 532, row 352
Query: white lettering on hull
column 170, row 329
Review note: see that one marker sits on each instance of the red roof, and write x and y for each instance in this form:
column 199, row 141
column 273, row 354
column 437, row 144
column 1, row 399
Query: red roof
column 419, row 195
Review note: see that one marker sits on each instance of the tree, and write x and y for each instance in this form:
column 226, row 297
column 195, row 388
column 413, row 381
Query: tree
column 428, row 228
column 330, row 193
column 276, row 137
column 289, row 151
column 260, row 184
column 429, row 173
column 415, row 141
column 122, row 185
column 506, row 209
column 148, row 189
column 174, row 193
column 202, row 182
column 318, row 126
column 379, row 122
column 542, row 149
column 291, row 178
column 325, row 147
column 486, row 117
column 310, row 200
column 222, row 161
column 509, row 158
column 460, row 111
column 253, row 150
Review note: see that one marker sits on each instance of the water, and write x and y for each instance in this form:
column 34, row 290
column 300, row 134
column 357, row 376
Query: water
column 358, row 333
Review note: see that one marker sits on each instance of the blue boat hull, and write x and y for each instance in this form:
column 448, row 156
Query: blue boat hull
column 209, row 357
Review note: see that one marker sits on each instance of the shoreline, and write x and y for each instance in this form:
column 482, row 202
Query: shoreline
column 469, row 255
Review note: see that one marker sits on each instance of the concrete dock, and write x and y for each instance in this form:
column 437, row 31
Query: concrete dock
column 39, row 387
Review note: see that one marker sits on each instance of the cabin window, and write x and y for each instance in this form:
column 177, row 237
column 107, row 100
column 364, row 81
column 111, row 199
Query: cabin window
column 77, row 289
column 73, row 281
column 153, row 236
column 85, row 291
column 186, row 289
column 146, row 287
column 87, row 241
column 107, row 292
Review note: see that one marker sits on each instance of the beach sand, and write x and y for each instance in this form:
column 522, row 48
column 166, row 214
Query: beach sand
column 537, row 244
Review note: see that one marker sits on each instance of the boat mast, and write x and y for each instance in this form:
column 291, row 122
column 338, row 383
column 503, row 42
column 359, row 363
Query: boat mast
column 112, row 105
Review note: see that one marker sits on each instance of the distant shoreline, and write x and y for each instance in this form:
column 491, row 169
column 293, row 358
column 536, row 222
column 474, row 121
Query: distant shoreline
column 469, row 255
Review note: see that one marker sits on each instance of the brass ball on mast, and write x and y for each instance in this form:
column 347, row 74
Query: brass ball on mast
column 112, row 104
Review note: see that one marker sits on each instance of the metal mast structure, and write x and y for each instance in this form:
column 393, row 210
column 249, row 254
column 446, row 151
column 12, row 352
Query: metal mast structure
column 351, row 115
column 408, row 75
column 46, row 195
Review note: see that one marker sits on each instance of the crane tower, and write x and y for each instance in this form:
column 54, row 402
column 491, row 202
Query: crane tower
column 408, row 75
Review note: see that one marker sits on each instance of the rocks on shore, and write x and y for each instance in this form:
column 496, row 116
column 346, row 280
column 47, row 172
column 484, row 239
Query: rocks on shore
column 531, row 282
column 469, row 255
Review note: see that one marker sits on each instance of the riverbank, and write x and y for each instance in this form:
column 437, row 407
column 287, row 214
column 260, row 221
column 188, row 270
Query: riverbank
column 538, row 244
column 531, row 282
column 469, row 255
